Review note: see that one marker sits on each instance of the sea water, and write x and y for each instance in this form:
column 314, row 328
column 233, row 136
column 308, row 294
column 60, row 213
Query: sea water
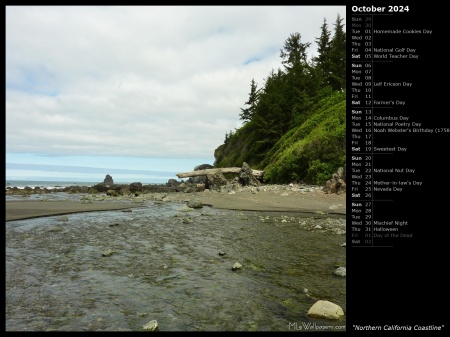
column 61, row 184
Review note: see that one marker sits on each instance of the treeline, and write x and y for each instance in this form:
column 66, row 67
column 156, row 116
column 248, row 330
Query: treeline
column 294, row 125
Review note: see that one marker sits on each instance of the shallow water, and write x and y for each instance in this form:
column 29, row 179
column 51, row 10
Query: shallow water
column 163, row 264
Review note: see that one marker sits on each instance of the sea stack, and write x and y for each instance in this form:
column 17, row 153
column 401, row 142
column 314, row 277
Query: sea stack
column 108, row 180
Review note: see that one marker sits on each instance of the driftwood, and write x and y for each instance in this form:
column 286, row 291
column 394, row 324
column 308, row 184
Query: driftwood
column 256, row 173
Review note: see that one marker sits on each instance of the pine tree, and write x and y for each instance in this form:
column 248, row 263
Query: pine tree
column 338, row 56
column 247, row 114
column 294, row 52
column 322, row 60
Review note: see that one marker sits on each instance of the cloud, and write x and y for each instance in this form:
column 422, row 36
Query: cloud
column 158, row 81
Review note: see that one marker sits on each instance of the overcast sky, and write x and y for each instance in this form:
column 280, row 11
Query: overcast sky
column 150, row 88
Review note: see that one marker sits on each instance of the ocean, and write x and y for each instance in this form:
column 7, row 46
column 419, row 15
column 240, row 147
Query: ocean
column 61, row 184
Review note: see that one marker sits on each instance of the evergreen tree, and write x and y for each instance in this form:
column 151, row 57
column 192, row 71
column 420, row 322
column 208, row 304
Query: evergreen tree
column 300, row 80
column 294, row 52
column 322, row 60
column 268, row 114
column 247, row 114
column 338, row 56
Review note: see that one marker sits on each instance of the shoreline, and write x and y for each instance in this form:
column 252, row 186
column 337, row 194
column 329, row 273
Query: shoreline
column 269, row 198
column 30, row 209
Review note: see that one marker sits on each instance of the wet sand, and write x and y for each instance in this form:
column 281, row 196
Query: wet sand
column 19, row 210
column 272, row 201
column 275, row 201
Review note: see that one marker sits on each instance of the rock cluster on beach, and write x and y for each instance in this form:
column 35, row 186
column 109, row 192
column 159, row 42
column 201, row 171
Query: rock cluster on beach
column 210, row 182
column 337, row 183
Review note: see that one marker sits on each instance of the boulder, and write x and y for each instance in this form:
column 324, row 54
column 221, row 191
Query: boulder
column 340, row 271
column 112, row 193
column 326, row 309
column 200, row 179
column 337, row 183
column 203, row 167
column 135, row 187
column 246, row 177
column 151, row 326
column 195, row 203
column 215, row 180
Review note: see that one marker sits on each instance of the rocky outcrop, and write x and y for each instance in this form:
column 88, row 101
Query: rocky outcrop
column 215, row 180
column 135, row 187
column 108, row 180
column 337, row 184
column 246, row 177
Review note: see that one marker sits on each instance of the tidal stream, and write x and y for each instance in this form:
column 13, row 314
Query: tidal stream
column 118, row 270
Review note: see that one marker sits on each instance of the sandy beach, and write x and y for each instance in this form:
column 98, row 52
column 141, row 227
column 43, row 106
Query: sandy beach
column 273, row 201
column 269, row 200
column 19, row 210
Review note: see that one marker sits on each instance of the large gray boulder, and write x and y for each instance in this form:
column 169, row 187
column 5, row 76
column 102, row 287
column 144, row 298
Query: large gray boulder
column 326, row 309
column 246, row 177
column 337, row 183
column 215, row 180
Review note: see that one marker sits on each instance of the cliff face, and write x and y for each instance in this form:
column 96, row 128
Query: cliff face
column 310, row 151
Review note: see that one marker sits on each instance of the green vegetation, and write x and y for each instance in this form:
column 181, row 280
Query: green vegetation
column 295, row 125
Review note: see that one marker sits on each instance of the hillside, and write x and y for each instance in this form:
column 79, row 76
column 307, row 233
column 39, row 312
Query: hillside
column 310, row 151
column 295, row 124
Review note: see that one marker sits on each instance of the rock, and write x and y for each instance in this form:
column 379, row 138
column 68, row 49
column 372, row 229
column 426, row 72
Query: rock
column 112, row 193
column 108, row 180
column 203, row 167
column 151, row 326
column 108, row 252
column 246, row 177
column 188, row 189
column 185, row 208
column 340, row 271
column 172, row 183
column 135, row 187
column 101, row 188
column 187, row 220
column 215, row 180
column 200, row 179
column 125, row 191
column 325, row 309
column 236, row 266
column 337, row 184
column 195, row 203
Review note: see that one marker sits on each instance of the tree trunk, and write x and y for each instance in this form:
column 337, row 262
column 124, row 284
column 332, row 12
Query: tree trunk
column 236, row 170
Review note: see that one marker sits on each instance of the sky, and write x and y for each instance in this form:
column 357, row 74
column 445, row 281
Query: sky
column 129, row 90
